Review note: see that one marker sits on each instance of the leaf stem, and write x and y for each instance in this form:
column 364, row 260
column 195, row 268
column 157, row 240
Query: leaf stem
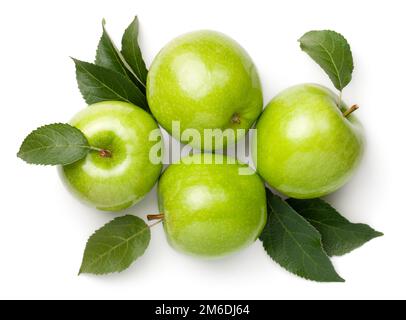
column 350, row 110
column 159, row 216
column 340, row 98
column 155, row 223
column 95, row 149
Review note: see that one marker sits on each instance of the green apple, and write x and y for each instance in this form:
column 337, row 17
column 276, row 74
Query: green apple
column 121, row 174
column 210, row 209
column 204, row 80
column 306, row 147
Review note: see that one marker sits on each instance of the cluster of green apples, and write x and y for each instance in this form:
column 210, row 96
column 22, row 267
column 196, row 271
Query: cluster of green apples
column 307, row 146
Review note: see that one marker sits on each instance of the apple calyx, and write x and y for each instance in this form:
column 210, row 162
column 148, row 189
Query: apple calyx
column 350, row 110
column 236, row 119
column 152, row 217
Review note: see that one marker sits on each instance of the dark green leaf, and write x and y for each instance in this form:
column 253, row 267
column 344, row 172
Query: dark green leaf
column 293, row 243
column 132, row 52
column 54, row 144
column 100, row 84
column 339, row 236
column 331, row 51
column 110, row 57
column 114, row 247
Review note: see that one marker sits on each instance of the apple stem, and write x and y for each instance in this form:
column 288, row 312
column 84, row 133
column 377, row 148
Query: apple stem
column 104, row 153
column 159, row 216
column 350, row 110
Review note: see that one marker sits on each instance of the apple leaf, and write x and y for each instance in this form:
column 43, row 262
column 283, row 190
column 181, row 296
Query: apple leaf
column 339, row 236
column 98, row 84
column 54, row 144
column 115, row 246
column 110, row 57
column 331, row 51
column 132, row 53
column 295, row 244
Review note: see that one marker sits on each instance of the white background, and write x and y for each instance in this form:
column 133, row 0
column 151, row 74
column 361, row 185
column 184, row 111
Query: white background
column 43, row 229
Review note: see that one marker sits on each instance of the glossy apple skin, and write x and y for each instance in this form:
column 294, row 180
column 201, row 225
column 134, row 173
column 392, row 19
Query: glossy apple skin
column 209, row 209
column 115, row 183
column 204, row 80
column 306, row 148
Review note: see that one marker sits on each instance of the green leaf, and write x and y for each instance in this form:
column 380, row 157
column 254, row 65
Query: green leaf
column 339, row 236
column 294, row 244
column 101, row 84
column 54, row 144
column 132, row 52
column 114, row 247
column 331, row 51
column 110, row 57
